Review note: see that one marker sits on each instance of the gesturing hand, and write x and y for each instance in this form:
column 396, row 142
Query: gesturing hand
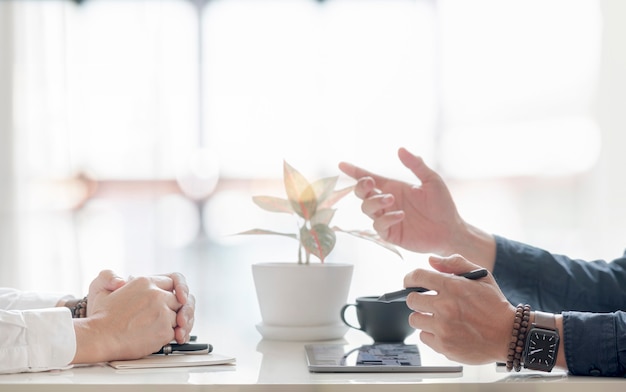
column 420, row 218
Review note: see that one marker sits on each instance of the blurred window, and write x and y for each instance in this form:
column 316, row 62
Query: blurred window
column 108, row 87
column 149, row 96
column 113, row 87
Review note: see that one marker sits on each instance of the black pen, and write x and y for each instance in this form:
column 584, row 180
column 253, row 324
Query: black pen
column 185, row 348
column 388, row 297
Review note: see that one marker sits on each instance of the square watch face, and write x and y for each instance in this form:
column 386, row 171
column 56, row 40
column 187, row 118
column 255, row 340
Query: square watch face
column 541, row 349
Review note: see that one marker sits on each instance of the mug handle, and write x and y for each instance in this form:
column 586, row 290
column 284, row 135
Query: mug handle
column 343, row 317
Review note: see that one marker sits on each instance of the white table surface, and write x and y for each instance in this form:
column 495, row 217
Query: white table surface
column 281, row 366
column 226, row 314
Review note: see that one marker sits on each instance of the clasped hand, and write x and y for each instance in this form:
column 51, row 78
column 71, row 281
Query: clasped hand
column 128, row 319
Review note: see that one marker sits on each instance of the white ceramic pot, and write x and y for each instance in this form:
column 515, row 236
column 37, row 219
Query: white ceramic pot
column 302, row 301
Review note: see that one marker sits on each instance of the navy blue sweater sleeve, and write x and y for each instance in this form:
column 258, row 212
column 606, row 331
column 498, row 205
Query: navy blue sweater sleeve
column 590, row 295
column 555, row 283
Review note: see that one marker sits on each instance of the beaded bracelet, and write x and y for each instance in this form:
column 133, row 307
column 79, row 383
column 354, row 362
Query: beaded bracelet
column 78, row 307
column 80, row 310
column 518, row 337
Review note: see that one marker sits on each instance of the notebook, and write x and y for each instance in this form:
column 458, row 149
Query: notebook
column 174, row 360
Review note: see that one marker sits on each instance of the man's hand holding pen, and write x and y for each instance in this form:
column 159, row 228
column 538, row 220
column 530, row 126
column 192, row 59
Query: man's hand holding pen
column 458, row 319
column 388, row 297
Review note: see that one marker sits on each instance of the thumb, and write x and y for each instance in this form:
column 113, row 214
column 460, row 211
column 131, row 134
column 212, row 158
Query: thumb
column 112, row 281
column 454, row 264
column 416, row 165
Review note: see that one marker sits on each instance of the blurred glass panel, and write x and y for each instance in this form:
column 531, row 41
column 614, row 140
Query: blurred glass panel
column 109, row 87
column 519, row 82
column 317, row 83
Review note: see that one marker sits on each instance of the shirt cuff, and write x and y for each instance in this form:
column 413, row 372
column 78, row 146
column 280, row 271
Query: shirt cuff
column 48, row 350
column 590, row 344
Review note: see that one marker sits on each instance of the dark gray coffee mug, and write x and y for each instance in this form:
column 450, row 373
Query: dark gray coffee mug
column 382, row 321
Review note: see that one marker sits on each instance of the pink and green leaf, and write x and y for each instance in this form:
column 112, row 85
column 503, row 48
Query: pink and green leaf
column 334, row 197
column 324, row 188
column 323, row 216
column 370, row 236
column 313, row 202
column 263, row 231
column 300, row 192
column 318, row 241
column 273, row 204
column 306, row 203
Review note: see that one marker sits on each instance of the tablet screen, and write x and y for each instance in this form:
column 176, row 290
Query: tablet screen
column 381, row 357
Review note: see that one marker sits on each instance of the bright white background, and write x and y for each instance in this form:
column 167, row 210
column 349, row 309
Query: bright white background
column 519, row 105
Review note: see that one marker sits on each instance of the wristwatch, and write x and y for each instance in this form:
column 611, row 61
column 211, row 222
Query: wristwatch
column 542, row 343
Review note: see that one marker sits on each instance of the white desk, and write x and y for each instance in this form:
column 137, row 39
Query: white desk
column 225, row 316
column 281, row 366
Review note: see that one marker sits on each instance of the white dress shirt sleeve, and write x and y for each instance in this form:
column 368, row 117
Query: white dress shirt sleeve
column 34, row 335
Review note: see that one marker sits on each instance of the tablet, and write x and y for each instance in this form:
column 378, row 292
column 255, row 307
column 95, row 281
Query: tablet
column 371, row 358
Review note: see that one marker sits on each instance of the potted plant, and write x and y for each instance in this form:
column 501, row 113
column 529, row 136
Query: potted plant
column 301, row 300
